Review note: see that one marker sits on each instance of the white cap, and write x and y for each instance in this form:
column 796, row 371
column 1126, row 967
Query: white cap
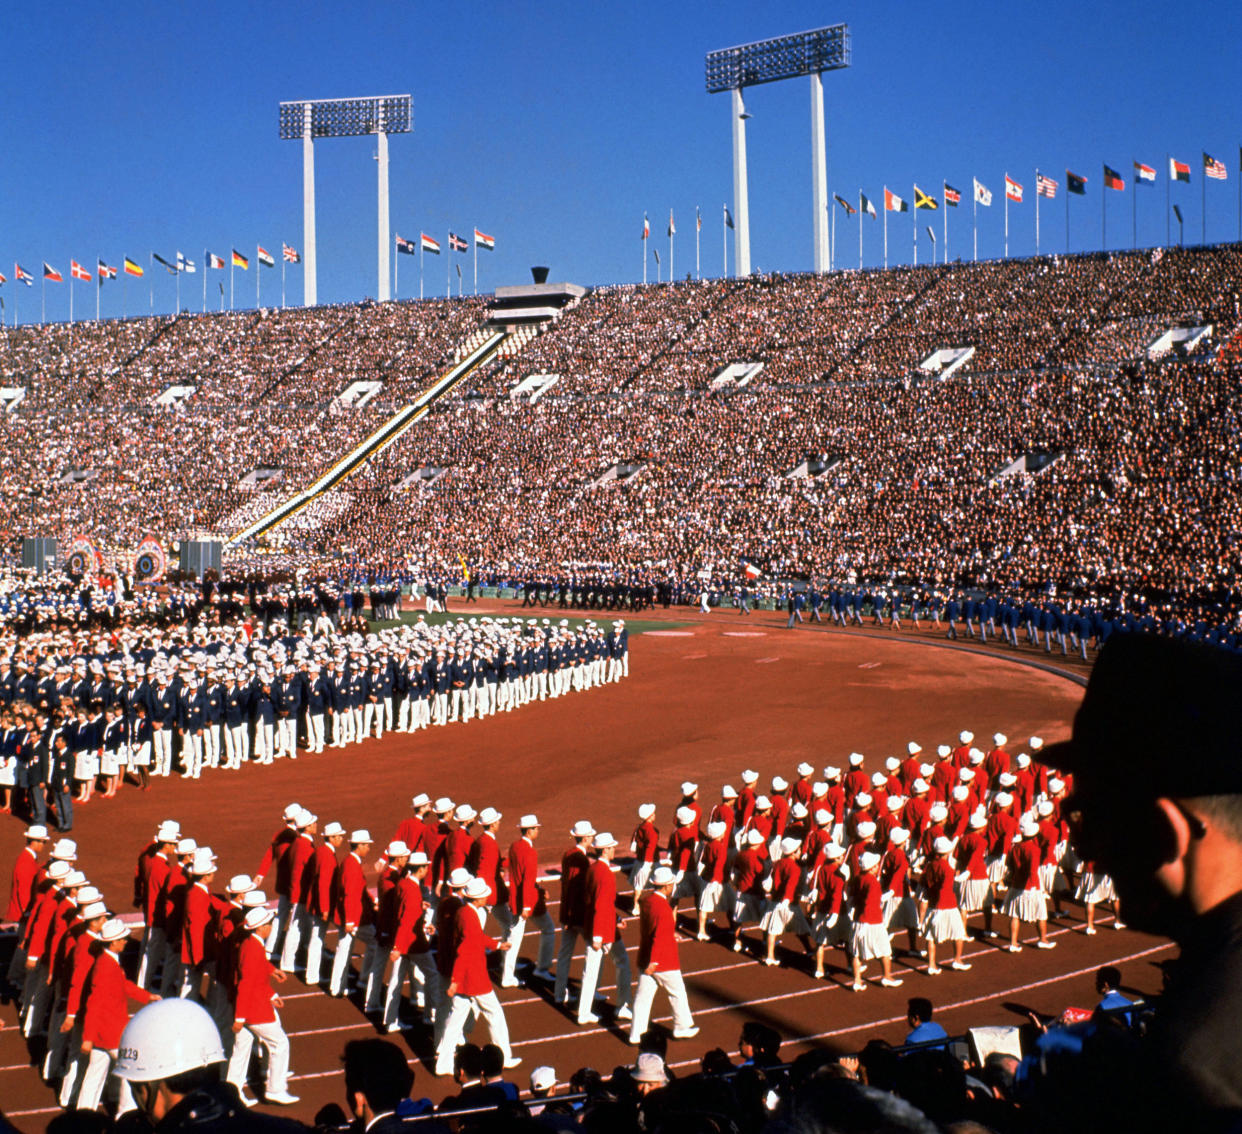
column 762, row 803
column 790, row 846
column 856, row 759
column 961, row 793
column 938, row 813
column 892, row 763
column 465, row 813
column 1037, row 742
column 979, row 819
column 477, row 888
column 169, row 832
column 944, row 751
column 779, row 783
column 37, row 831
column 975, row 755
column 59, row 869
column 869, row 860
column 878, row 779
column 862, row 799
column 899, row 836
column 362, row 835
column 689, row 788
column 685, row 815
column 755, row 838
column 333, row 829
column 750, row 776
column 919, row 786
column 527, row 822
column 88, row 894
column 459, row 878
column 65, row 849
column 728, row 792
column 1045, row 808
column 252, row 899
column 804, row 769
column 799, row 811
column 1007, row 779
column 396, row 849
column 914, row 748
column 488, row 816
column 582, row 829
column 999, row 739
column 649, row 1068
column 418, row 858
column 113, row 929
column 966, row 774
column 965, row 736
column 832, row 772
column 927, row 770
column 1029, row 828
column 542, row 1079
column 662, row 876
column 834, row 850
column 204, row 861
column 823, row 818
column 92, row 910
column 942, row 845
column 420, row 800
column 1003, row 799
column 1024, row 761
column 716, row 829
column 1055, row 785
column 186, row 846
column 443, row 805
column 895, row 802
column 306, row 817
column 605, row 840
column 291, row 812
column 646, row 810
column 258, row 916
column 240, row 884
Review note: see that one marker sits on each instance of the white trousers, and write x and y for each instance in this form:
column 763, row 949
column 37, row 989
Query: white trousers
column 271, row 1036
column 162, row 738
column 547, row 939
column 367, row 974
column 211, row 745
column 672, row 983
column 97, row 1072
column 234, row 746
column 314, row 949
column 297, row 927
column 460, row 1009
column 264, row 742
column 420, row 969
column 191, row 753
column 315, row 729
column 590, row 977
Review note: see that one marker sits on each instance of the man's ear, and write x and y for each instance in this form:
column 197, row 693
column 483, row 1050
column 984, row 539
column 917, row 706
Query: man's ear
column 358, row 1103
column 1171, row 833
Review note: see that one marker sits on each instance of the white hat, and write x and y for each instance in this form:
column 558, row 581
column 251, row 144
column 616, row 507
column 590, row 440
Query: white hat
column 527, row 822
column 465, row 813
column 942, row 845
column 662, row 876
column 1037, row 742
column 258, row 916
column 869, row 860
column 488, row 816
column 832, row 772
column 755, row 838
column 790, row 846
column 37, row 831
column 1045, row 808
column 240, row 884
column 716, row 829
column 914, row 748
column 74, row 879
column 306, row 817
column 762, row 803
column 779, row 783
column 583, row 829
column 1024, row 761
column 92, row 910
column 799, row 811
column 999, row 739
column 88, row 894
column 862, row 799
column 291, row 812
column 477, row 888
column 865, row 829
column 979, row 819
column 65, row 849
column 542, row 1079
column 927, row 770
column 938, row 813
column 892, row 763
column 604, row 840
column 649, row 1068
column 113, row 929
column 728, row 792
column 966, row 736
column 396, row 849
column 362, row 835
column 1055, row 785
column 186, row 846
column 646, row 810
column 204, row 861
column 944, row 751
column 804, row 769
column 899, row 836
column 442, row 805
column 819, row 789
column 822, row 817
column 252, row 899
column 459, row 878
column 59, row 869
column 856, row 759
column 975, row 755
column 878, row 779
column 684, row 816
column 919, row 786
column 689, row 788
column 418, row 858
column 750, row 776
column 966, row 774
column 834, row 850
column 333, row 829
column 1007, row 779
column 169, row 832
column 1029, row 828
column 1003, row 799
column 420, row 800
column 961, row 793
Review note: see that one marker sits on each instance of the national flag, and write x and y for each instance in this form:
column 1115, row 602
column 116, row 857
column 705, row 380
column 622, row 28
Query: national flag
column 214, row 261
column 864, row 203
column 172, row 268
column 728, row 219
column 429, row 245
column 457, row 243
column 923, row 201
column 1213, row 168
column 893, row 203
column 50, row 273
column 982, row 193
column 849, row 209
column 952, row 196
column 647, row 225
column 482, row 240
column 1143, row 173
column 1113, row 179
column 672, row 228
column 749, row 569
column 1045, row 186
column 240, row 261
column 405, row 246
column 930, row 233
column 21, row 275
column 3, row 278
column 106, row 272
column 184, row 265
column 656, row 253
column 698, row 219
column 1177, row 212
column 1178, row 170
column 1013, row 191
column 1075, row 184
column 291, row 255
column 78, row 272
column 264, row 256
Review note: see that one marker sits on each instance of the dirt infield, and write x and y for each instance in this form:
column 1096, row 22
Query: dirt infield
column 705, row 700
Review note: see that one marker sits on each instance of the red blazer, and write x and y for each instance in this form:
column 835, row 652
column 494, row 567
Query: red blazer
column 352, row 903
column 681, row 846
column 457, row 849
column 523, row 870
column 484, row 862
column 714, row 859
column 786, row 875
column 253, row 1001
column 107, row 996
column 41, row 912
column 157, row 871
column 470, row 959
column 85, row 951
column 194, row 926
column 231, row 935
column 386, row 913
column 574, row 866
column 646, row 841
column 298, row 856
column 446, row 945
column 601, row 902
column 411, row 832
column 275, row 851
column 657, row 944
column 21, row 892
column 409, row 933
column 322, row 868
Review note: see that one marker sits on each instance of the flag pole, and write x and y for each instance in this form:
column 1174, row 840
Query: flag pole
column 99, row 288
column 206, row 262
column 944, row 197
column 885, row 226
column 420, row 263
column 1203, row 214
column 231, row 266
column 1067, row 197
column 698, row 226
column 1168, row 199
column 448, row 271
column 1037, row 195
column 43, row 299
column 178, row 311
column 914, row 213
column 860, row 217
column 282, row 275
column 1134, row 215
column 1103, row 215
column 151, row 283
column 724, row 239
column 1006, row 216
column 71, row 281
column 476, row 268
column 258, row 274
column 396, row 272
column 974, row 216
column 832, row 237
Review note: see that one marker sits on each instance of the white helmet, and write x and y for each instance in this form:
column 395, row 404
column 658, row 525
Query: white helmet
column 165, row 1039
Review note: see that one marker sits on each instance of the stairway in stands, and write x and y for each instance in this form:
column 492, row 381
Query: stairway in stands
column 478, row 349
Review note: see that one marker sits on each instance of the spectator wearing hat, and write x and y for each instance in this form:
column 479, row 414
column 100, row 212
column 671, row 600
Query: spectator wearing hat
column 527, row 902
column 354, row 916
column 870, row 937
column 256, row 1013
column 658, row 962
column 649, row 1073
column 1026, row 903
column 469, row 989
column 410, row 949
column 783, row 911
column 575, row 863
column 378, row 1082
column 602, row 927
column 645, row 846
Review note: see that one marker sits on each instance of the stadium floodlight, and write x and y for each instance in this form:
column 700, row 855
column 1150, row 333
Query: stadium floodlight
column 309, row 119
column 769, row 61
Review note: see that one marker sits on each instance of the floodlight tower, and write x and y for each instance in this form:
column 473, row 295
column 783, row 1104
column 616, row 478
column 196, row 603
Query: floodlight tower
column 785, row 57
column 344, row 118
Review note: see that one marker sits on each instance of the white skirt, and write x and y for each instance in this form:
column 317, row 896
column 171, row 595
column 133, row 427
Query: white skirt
column 899, row 913
column 1095, row 888
column 944, row 925
column 639, row 873
column 8, row 772
column 1051, row 878
column 780, row 918
column 870, row 942
column 715, row 896
column 972, row 893
column 86, row 765
column 839, row 934
column 140, row 755
column 748, row 907
column 996, row 869
column 109, row 762
column 1027, row 905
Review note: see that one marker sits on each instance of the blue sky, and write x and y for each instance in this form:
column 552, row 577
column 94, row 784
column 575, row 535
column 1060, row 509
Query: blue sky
column 145, row 127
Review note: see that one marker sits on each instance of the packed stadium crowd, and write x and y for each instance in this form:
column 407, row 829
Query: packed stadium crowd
column 844, row 864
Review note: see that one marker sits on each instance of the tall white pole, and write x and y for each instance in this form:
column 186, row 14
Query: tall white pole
column 861, row 210
column 476, row 267
column 832, row 243
column 310, row 291
column 944, row 200
column 822, row 250
column 741, row 206
column 724, row 240
column 385, row 237
column 671, row 234
column 974, row 220
column 1037, row 196
column 258, row 275
column 886, row 226
column 1006, row 216
column 698, row 228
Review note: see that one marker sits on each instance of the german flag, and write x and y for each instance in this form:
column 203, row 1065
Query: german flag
column 240, row 261
column 923, row 201
column 1113, row 179
column 132, row 269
